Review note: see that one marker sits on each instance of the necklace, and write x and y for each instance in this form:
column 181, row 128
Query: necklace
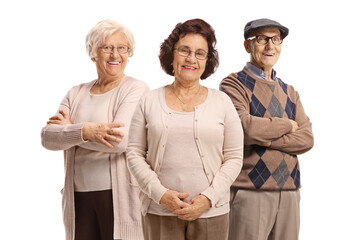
column 184, row 105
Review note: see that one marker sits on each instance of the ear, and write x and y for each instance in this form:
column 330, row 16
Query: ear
column 247, row 46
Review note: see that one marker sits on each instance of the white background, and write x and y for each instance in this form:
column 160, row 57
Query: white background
column 43, row 55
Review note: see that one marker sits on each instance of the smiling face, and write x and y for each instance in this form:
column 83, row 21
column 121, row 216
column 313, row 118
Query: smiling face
column 112, row 65
column 264, row 56
column 189, row 69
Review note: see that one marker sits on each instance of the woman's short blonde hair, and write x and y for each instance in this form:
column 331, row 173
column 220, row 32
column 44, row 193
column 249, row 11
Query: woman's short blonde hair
column 103, row 29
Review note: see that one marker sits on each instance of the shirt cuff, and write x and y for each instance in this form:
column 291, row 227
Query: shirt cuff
column 157, row 193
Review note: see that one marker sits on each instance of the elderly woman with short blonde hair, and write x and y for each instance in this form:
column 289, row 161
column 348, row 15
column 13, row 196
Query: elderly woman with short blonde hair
column 100, row 200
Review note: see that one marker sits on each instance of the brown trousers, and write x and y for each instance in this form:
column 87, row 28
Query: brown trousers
column 94, row 215
column 167, row 227
column 264, row 215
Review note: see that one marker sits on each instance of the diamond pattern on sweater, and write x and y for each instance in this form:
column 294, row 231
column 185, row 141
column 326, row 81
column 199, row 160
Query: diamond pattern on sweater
column 266, row 168
column 281, row 174
column 275, row 109
column 295, row 174
column 260, row 174
column 272, row 87
column 246, row 80
column 256, row 108
column 290, row 109
column 283, row 85
column 259, row 150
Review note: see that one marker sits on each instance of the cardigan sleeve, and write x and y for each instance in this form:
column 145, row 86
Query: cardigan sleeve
column 124, row 110
column 232, row 151
column 256, row 129
column 302, row 139
column 62, row 137
column 137, row 152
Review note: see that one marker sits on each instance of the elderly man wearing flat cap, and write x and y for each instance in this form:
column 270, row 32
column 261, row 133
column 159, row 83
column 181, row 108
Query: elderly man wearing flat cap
column 265, row 196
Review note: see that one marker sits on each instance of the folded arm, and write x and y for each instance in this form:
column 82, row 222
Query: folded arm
column 257, row 130
column 299, row 141
column 290, row 136
column 113, row 137
column 104, row 137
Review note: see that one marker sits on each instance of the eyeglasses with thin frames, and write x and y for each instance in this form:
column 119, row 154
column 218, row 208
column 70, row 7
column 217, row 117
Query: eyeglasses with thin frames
column 185, row 51
column 262, row 39
column 121, row 49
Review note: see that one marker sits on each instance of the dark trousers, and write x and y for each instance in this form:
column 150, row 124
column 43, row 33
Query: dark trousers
column 94, row 215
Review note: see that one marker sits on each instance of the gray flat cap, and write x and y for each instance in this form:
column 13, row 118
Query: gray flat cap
column 258, row 24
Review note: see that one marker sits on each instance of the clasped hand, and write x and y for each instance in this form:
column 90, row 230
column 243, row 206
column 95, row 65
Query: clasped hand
column 188, row 211
column 99, row 132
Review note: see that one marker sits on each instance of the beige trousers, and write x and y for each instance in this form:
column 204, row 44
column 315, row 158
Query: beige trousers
column 264, row 215
column 157, row 227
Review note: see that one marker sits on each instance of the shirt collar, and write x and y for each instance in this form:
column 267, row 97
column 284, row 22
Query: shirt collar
column 258, row 72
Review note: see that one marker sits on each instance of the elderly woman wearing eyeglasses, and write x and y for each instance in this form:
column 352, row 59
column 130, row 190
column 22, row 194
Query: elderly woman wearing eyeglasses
column 186, row 144
column 100, row 200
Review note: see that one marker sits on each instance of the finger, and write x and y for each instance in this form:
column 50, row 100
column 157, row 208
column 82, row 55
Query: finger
column 116, row 125
column 181, row 204
column 64, row 114
column 106, row 143
column 185, row 218
column 202, row 201
column 112, row 138
column 183, row 195
column 53, row 122
column 116, row 132
column 188, row 217
column 56, row 117
column 182, row 211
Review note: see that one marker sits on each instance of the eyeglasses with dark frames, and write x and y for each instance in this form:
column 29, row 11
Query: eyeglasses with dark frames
column 262, row 39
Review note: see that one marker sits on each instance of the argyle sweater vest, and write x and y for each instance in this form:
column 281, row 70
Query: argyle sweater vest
column 265, row 108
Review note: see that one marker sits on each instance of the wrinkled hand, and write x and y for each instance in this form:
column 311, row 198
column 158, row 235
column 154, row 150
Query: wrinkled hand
column 172, row 200
column 61, row 119
column 102, row 132
column 197, row 206
column 294, row 125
